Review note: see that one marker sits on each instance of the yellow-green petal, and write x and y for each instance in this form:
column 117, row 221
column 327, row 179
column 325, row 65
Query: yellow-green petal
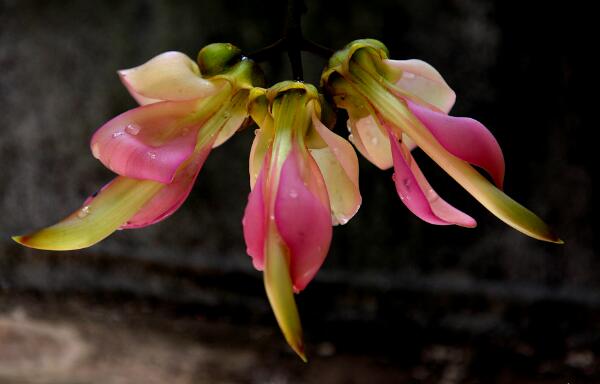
column 97, row 219
column 278, row 284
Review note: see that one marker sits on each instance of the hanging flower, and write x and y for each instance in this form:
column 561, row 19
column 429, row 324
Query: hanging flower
column 394, row 106
column 158, row 148
column 304, row 178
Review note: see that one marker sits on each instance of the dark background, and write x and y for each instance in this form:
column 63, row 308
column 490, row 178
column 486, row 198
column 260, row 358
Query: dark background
column 397, row 300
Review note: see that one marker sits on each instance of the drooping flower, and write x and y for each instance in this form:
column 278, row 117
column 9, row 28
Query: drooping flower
column 304, row 178
column 158, row 148
column 394, row 106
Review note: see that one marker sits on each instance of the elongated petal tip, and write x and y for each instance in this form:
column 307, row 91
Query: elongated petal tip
column 21, row 239
column 300, row 352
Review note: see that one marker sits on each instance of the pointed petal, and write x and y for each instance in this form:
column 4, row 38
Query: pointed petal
column 170, row 198
column 168, row 76
column 260, row 145
column 303, row 220
column 254, row 223
column 416, row 193
column 422, row 80
column 148, row 142
column 278, row 285
column 465, row 138
column 102, row 215
column 339, row 166
column 234, row 122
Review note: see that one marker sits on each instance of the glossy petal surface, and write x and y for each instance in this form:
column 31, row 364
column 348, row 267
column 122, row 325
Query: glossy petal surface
column 148, row 142
column 465, row 138
column 422, row 80
column 416, row 193
column 101, row 215
column 168, row 76
column 339, row 166
column 303, row 221
column 170, row 198
column 254, row 223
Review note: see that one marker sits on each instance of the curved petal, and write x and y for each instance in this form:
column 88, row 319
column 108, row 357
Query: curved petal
column 168, row 76
column 170, row 198
column 422, row 80
column 374, row 142
column 236, row 118
column 303, row 221
column 339, row 166
column 465, row 138
column 418, row 196
column 260, row 146
column 100, row 216
column 254, row 223
column 148, row 142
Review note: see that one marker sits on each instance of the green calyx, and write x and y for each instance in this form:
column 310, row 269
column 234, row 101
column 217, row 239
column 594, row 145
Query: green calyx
column 225, row 61
column 308, row 90
column 217, row 58
column 341, row 61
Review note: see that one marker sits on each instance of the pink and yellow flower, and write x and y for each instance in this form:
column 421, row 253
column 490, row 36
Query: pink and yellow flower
column 395, row 106
column 304, row 178
column 158, row 149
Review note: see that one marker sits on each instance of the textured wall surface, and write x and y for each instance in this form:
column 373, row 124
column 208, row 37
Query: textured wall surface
column 58, row 84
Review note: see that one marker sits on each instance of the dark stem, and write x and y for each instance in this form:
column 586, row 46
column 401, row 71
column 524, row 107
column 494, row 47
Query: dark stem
column 292, row 42
column 293, row 36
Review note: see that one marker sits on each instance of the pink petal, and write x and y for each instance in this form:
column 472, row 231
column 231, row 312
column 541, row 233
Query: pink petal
column 254, row 222
column 465, row 138
column 170, row 198
column 416, row 193
column 148, row 142
column 303, row 221
column 422, row 80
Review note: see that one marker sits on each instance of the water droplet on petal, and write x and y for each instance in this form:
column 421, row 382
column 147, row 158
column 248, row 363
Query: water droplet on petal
column 132, row 129
column 117, row 134
column 351, row 138
column 272, row 217
column 83, row 212
column 152, row 155
column 374, row 140
column 409, row 75
column 256, row 132
column 293, row 194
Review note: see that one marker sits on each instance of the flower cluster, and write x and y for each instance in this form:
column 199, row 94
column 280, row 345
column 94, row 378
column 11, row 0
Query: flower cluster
column 303, row 176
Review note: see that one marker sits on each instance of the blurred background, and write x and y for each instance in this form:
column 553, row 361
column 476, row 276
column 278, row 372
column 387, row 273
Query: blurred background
column 397, row 300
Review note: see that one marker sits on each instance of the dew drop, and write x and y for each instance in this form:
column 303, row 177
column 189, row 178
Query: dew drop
column 374, row 140
column 132, row 129
column 83, row 212
column 152, row 155
column 117, row 134
column 409, row 75
column 351, row 138
column 272, row 217
column 293, row 194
